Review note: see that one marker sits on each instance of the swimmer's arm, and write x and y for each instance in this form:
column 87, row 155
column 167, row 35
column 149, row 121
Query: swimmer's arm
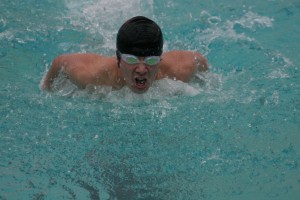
column 200, row 62
column 56, row 67
column 73, row 66
column 82, row 70
column 182, row 65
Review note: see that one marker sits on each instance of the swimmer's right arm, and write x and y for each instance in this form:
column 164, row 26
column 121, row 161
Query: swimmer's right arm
column 81, row 70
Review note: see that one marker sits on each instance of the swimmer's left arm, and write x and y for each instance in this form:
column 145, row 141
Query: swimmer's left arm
column 52, row 73
column 200, row 61
column 182, row 65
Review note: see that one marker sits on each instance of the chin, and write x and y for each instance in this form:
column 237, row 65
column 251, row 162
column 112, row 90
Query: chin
column 139, row 91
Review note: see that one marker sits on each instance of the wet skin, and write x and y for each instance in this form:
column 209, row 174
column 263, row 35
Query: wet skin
column 96, row 70
column 138, row 77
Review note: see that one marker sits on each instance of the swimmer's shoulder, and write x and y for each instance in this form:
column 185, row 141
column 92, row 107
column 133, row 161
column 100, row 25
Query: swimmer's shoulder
column 84, row 57
column 87, row 61
column 181, row 65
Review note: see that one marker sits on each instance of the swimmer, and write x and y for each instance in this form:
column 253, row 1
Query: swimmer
column 139, row 61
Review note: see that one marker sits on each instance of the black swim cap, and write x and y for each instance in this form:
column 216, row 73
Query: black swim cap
column 140, row 36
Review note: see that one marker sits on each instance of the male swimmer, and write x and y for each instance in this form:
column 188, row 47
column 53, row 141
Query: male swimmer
column 138, row 63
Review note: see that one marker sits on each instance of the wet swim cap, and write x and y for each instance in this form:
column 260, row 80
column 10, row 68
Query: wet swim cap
column 140, row 36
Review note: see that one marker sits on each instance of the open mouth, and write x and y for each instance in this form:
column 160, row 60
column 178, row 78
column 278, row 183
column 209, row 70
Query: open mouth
column 140, row 82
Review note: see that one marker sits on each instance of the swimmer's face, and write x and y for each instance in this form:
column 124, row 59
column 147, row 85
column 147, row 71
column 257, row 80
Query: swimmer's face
column 137, row 74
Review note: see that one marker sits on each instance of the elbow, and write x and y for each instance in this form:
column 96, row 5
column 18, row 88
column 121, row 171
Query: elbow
column 200, row 62
column 52, row 73
column 46, row 82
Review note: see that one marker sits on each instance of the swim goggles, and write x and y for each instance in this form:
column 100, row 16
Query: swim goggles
column 132, row 60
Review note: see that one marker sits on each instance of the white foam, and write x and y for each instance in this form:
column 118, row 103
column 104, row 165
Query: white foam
column 172, row 87
column 251, row 19
column 278, row 73
column 225, row 30
column 160, row 90
column 3, row 24
column 282, row 64
column 6, row 35
column 218, row 29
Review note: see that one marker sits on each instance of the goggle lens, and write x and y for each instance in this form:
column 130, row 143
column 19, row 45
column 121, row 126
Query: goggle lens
column 132, row 60
column 152, row 60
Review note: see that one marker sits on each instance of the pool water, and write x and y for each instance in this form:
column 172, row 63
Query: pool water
column 232, row 133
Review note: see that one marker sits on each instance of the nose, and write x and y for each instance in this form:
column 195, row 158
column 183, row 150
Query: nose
column 141, row 68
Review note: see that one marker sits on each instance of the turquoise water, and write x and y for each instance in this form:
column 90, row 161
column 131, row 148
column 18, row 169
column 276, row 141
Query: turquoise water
column 235, row 134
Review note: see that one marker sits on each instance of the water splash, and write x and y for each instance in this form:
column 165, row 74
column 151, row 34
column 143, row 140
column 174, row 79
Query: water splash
column 227, row 30
column 251, row 20
column 104, row 17
column 160, row 89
